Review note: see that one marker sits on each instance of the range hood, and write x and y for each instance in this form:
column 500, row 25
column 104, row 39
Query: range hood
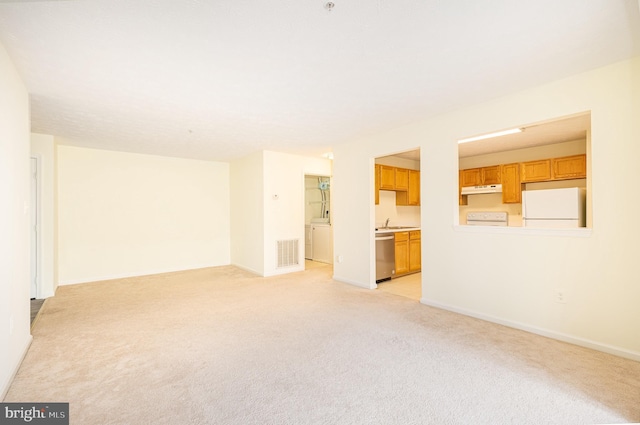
column 475, row 190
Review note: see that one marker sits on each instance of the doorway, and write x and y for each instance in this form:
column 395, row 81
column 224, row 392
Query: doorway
column 398, row 213
column 318, row 228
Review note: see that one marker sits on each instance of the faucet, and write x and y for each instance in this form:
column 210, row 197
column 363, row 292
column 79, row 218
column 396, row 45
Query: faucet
column 386, row 223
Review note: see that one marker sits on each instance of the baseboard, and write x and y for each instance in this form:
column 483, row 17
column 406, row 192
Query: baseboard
column 16, row 367
column 280, row 272
column 248, row 269
column 352, row 282
column 136, row 274
column 571, row 339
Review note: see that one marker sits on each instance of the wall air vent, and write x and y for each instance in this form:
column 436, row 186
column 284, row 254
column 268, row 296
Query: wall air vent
column 287, row 253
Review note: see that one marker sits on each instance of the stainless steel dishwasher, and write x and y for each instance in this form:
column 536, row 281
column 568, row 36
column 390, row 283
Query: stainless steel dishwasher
column 385, row 256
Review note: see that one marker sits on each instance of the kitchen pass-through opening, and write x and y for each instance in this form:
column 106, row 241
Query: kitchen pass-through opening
column 536, row 174
column 398, row 224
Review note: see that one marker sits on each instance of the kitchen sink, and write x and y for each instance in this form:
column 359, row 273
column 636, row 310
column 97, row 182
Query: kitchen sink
column 395, row 227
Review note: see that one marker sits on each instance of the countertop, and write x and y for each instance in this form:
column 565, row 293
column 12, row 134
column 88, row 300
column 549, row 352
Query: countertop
column 395, row 229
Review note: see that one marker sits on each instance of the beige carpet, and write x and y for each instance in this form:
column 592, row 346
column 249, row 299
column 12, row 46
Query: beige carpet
column 221, row 346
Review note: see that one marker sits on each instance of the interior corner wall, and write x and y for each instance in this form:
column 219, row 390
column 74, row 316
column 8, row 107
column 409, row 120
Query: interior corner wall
column 511, row 277
column 247, row 218
column 43, row 147
column 267, row 200
column 123, row 214
column 284, row 197
column 14, row 221
column 354, row 213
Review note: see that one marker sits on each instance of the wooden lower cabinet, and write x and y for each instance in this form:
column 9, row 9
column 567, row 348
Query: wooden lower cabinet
column 415, row 251
column 408, row 252
column 402, row 253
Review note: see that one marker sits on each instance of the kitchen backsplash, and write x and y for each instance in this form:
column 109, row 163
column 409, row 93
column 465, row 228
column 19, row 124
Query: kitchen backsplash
column 397, row 215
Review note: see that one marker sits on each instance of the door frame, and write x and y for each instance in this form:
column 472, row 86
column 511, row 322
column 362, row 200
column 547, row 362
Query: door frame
column 306, row 174
column 35, row 211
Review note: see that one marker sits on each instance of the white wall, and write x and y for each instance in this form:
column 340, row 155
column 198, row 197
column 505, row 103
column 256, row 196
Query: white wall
column 14, row 221
column 510, row 276
column 247, row 220
column 123, row 214
column 43, row 147
column 402, row 215
column 268, row 205
column 395, row 161
column 353, row 214
column 284, row 217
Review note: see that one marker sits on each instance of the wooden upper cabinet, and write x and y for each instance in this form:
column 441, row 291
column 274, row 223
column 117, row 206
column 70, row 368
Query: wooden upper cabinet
column 414, row 187
column 570, row 167
column 412, row 195
column 405, row 182
column 402, row 179
column 387, row 177
column 511, row 188
column 471, row 177
column 479, row 176
column 462, row 199
column 490, row 175
column 535, row 171
column 511, row 176
column 377, row 183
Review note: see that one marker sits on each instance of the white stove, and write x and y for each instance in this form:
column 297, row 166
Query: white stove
column 487, row 218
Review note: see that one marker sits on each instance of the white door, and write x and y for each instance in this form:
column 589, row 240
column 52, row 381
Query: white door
column 322, row 244
column 34, row 228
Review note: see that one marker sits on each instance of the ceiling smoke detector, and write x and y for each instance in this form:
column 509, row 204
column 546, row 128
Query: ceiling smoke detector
column 329, row 5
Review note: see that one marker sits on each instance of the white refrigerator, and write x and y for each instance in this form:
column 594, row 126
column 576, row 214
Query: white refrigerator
column 554, row 208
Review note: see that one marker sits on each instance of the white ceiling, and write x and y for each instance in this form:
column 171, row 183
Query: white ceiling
column 557, row 131
column 217, row 80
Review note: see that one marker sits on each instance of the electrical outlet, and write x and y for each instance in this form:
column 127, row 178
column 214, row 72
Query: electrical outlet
column 561, row 296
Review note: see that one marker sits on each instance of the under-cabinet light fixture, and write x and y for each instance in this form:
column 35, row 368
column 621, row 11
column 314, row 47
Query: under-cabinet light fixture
column 490, row 135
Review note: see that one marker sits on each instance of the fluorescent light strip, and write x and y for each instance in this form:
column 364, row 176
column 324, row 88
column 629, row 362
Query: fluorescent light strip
column 488, row 136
